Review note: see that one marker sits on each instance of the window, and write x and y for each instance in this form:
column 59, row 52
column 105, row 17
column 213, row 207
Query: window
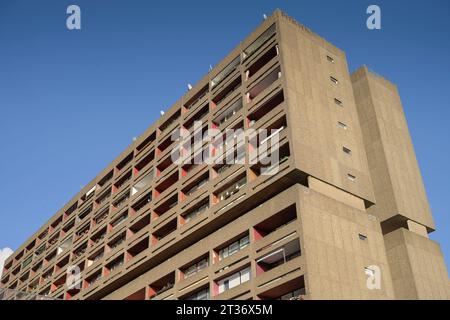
column 342, row 125
column 225, row 72
column 258, row 43
column 294, row 295
column 119, row 220
column 204, row 205
column 234, row 280
column 199, row 295
column 347, row 150
column 334, row 80
column 234, row 247
column 263, row 84
column 231, row 190
column 338, row 102
column 368, row 271
column 229, row 112
column 195, row 267
column 330, row 59
column 362, row 237
column 278, row 256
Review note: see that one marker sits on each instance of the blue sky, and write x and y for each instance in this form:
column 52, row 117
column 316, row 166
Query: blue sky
column 71, row 101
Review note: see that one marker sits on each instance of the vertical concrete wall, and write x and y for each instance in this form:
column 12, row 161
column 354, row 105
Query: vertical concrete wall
column 335, row 255
column 396, row 177
column 416, row 262
column 316, row 139
column 417, row 266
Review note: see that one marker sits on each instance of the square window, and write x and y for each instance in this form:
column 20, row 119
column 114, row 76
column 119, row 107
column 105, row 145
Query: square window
column 347, row 150
column 342, row 125
column 244, row 242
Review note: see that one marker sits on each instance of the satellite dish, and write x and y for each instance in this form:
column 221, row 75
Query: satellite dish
column 162, row 112
column 189, row 86
column 264, row 16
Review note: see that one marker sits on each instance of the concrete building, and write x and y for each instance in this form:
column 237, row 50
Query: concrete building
column 345, row 217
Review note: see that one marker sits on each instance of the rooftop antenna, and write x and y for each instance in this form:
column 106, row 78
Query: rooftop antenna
column 189, row 86
column 264, row 16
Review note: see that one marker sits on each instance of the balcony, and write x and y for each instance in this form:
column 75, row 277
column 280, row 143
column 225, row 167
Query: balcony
column 165, row 183
column 232, row 248
column 261, row 62
column 169, row 122
column 138, row 225
column 92, row 259
column 192, row 103
column 164, row 231
column 103, row 198
column 141, row 203
column 142, row 165
column 124, row 163
column 166, row 206
column 159, row 287
column 227, row 91
column 101, row 217
column 80, row 251
column 198, row 116
column 278, row 257
column 228, row 112
column 259, row 42
column 194, row 212
column 116, row 243
column 275, row 223
column 116, row 222
column 142, row 183
column 105, row 180
column 290, row 290
column 195, row 267
column 98, row 237
column 114, row 265
column 229, row 189
column 146, row 143
column 232, row 281
column 93, row 279
column 222, row 75
column 195, row 185
column 121, row 200
column 84, row 214
column 122, row 181
column 202, row 294
column 265, row 108
column 82, row 232
column 263, row 84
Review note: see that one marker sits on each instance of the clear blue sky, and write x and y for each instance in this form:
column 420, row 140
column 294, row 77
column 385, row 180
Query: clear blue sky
column 71, row 101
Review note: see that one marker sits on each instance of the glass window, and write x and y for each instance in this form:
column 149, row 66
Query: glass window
column 234, row 247
column 244, row 242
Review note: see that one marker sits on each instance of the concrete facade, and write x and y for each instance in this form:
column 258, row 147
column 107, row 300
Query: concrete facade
column 347, row 205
